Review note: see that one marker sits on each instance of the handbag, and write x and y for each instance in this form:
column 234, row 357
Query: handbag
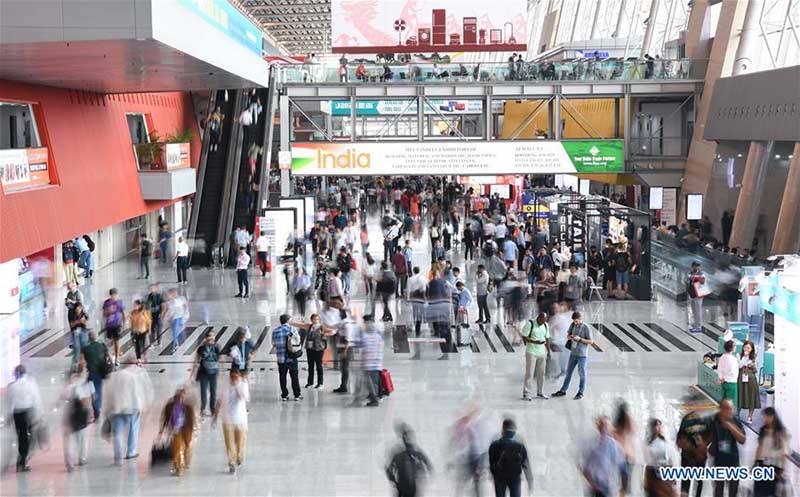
column 105, row 430
column 568, row 345
column 106, row 367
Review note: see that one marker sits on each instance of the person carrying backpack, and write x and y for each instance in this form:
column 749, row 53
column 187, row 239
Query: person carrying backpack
column 206, row 366
column 78, row 395
column 288, row 348
column 508, row 458
column 408, row 464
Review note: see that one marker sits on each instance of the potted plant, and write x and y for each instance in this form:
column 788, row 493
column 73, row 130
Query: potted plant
column 149, row 154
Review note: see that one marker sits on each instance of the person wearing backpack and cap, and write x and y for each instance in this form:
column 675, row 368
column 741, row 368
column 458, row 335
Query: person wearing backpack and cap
column 288, row 348
column 408, row 464
column 508, row 459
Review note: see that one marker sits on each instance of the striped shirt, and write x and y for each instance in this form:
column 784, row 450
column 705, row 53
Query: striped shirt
column 371, row 348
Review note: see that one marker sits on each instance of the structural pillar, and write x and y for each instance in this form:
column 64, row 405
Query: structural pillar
column 749, row 48
column 626, row 127
column 787, row 229
column 648, row 32
column 720, row 64
column 557, row 116
column 420, row 117
column 616, row 118
column 286, row 128
column 489, row 117
column 747, row 206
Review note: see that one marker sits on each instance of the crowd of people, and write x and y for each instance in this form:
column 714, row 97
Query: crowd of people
column 480, row 250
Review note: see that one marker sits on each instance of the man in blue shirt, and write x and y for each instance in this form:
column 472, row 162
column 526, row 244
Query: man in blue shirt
column 603, row 462
column 286, row 364
column 510, row 252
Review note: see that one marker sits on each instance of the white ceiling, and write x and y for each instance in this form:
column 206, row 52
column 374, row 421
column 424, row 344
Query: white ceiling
column 112, row 66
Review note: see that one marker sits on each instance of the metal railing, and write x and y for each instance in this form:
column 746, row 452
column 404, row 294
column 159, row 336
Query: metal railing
column 573, row 70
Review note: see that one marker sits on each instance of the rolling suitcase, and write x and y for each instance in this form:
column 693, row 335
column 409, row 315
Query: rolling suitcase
column 387, row 387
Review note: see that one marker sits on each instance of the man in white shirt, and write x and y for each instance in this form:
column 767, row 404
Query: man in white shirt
column 243, row 238
column 181, row 259
column 242, row 263
column 25, row 404
column 262, row 252
column 500, row 231
column 728, row 373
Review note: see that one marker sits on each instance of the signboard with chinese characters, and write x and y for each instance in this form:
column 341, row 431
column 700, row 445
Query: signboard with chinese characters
column 24, row 168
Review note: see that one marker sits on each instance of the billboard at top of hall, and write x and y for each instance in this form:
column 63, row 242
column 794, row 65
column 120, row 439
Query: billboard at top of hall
column 428, row 26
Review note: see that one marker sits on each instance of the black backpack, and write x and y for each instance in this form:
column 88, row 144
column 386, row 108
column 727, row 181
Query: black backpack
column 89, row 242
column 78, row 414
column 509, row 464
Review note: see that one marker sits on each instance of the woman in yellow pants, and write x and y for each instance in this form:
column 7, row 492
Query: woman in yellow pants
column 234, row 419
column 179, row 417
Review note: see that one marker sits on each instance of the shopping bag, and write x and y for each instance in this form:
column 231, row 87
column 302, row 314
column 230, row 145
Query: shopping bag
column 701, row 289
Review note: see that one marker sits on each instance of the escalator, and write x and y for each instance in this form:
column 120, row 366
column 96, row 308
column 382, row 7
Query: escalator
column 246, row 197
column 205, row 225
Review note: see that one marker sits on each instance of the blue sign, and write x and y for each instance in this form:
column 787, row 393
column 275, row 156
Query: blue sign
column 589, row 54
column 227, row 19
column 779, row 300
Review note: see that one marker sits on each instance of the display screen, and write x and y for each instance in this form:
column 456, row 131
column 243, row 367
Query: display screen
column 694, row 206
column 656, row 197
column 584, row 187
column 571, row 182
column 277, row 225
column 503, row 191
column 300, row 205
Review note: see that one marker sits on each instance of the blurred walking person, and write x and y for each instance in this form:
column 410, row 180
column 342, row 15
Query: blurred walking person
column 407, row 464
column 129, row 393
column 114, row 319
column 602, row 462
column 658, row 455
column 177, row 314
column 157, row 306
column 234, row 419
column 78, row 415
column 508, row 459
column 180, row 420
column 25, row 406
column 140, row 327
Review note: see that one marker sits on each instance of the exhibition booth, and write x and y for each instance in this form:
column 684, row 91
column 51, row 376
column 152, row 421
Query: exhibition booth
column 581, row 221
column 775, row 294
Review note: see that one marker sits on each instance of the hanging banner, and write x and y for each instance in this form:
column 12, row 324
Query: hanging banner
column 406, row 107
column 457, row 157
column 23, row 168
column 400, row 26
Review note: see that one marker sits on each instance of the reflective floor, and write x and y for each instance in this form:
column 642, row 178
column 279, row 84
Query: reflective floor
column 324, row 446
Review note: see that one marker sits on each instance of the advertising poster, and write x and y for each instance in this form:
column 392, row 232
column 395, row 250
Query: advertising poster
column 177, row 156
column 669, row 206
column 427, row 26
column 23, row 168
column 464, row 158
column 277, row 225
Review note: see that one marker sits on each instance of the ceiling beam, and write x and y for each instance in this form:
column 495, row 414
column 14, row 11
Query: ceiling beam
column 298, row 29
column 293, row 15
column 270, row 9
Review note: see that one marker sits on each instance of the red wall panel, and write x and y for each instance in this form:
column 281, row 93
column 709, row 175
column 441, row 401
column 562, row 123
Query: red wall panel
column 92, row 156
